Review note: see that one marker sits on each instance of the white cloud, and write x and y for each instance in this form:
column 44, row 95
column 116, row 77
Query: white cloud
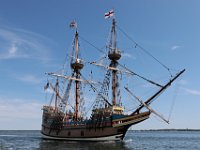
column 18, row 43
column 20, row 114
column 127, row 55
column 192, row 91
column 12, row 109
column 183, row 82
column 13, row 49
column 175, row 47
column 30, row 79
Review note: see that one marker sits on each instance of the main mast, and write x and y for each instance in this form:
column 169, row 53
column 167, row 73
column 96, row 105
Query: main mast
column 77, row 66
column 114, row 55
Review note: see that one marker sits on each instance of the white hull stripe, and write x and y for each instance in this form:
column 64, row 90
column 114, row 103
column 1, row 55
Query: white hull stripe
column 130, row 122
column 110, row 138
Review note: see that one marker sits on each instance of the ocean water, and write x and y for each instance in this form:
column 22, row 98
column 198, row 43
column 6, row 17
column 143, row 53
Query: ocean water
column 134, row 140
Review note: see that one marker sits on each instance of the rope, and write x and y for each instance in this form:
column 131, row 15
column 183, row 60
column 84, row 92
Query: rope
column 174, row 100
column 95, row 90
column 92, row 45
column 150, row 81
column 102, row 58
column 148, row 53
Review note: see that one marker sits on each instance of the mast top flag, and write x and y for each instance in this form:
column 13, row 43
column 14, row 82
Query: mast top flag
column 109, row 14
column 73, row 24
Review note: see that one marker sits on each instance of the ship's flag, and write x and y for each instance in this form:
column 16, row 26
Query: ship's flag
column 73, row 24
column 46, row 86
column 109, row 14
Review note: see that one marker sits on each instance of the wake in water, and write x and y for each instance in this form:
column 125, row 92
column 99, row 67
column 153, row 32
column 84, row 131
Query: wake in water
column 128, row 140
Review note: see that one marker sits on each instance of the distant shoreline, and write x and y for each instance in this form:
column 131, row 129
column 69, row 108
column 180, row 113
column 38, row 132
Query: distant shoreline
column 130, row 130
column 169, row 130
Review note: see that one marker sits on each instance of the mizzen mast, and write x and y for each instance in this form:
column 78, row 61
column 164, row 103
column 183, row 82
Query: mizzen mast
column 114, row 55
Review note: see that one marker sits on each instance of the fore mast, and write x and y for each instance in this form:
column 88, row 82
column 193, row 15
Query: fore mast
column 76, row 65
column 114, row 55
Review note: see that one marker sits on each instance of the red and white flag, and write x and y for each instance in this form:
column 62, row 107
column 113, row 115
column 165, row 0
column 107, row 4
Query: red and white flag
column 73, row 24
column 109, row 14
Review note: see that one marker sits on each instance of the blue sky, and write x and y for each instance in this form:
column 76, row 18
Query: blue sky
column 35, row 37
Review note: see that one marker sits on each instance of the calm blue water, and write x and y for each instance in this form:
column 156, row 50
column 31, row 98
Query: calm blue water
column 134, row 140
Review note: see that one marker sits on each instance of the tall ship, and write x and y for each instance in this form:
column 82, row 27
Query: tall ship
column 65, row 117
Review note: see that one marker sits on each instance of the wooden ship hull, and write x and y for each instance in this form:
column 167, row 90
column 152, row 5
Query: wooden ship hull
column 112, row 128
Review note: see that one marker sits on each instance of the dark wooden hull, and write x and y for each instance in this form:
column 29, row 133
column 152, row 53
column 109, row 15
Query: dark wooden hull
column 114, row 131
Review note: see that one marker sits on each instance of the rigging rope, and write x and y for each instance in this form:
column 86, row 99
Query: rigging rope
column 67, row 90
column 148, row 53
column 150, row 81
column 174, row 100
column 92, row 45
column 95, row 90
